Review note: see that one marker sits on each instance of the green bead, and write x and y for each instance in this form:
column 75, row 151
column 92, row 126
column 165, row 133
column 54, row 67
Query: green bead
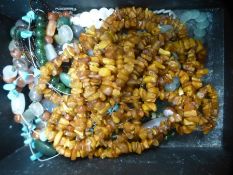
column 41, row 24
column 61, row 87
column 45, row 148
column 63, row 21
column 42, row 62
column 54, row 80
column 40, row 52
column 67, row 91
column 40, row 18
column 40, row 32
column 40, row 42
column 65, row 78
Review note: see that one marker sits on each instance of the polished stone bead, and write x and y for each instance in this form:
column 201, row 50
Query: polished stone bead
column 21, row 23
column 67, row 91
column 65, row 79
column 50, row 52
column 40, row 18
column 9, row 72
column 51, row 28
column 45, row 148
column 173, row 85
column 18, row 104
column 36, row 108
column 20, row 64
column 54, row 80
column 28, row 116
column 39, row 42
column 60, row 87
column 77, row 30
column 12, row 45
column 48, row 105
column 65, row 34
column 40, row 32
column 40, row 52
column 34, row 95
column 63, row 21
column 42, row 62
column 41, row 24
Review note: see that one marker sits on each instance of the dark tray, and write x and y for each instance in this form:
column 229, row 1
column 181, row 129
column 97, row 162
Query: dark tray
column 190, row 154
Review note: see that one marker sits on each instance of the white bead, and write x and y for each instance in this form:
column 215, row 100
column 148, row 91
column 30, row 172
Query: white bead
column 65, row 34
column 28, row 116
column 154, row 122
column 9, row 72
column 103, row 12
column 50, row 52
column 18, row 104
column 168, row 112
column 36, row 108
column 94, row 14
column 34, row 96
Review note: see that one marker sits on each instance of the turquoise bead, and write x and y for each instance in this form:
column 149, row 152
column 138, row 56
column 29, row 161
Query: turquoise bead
column 60, row 87
column 45, row 148
column 26, row 34
column 9, row 87
column 54, row 80
column 36, row 156
column 63, row 21
column 65, row 78
column 26, row 19
column 40, row 32
column 31, row 15
column 67, row 91
column 40, row 42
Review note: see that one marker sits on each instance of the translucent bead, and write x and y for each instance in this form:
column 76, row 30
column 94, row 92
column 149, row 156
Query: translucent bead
column 34, row 95
column 103, row 12
column 36, row 108
column 18, row 104
column 51, row 28
column 21, row 23
column 165, row 28
column 20, row 64
column 28, row 116
column 173, row 85
column 9, row 73
column 16, row 53
column 12, row 45
column 48, row 105
column 65, row 34
column 77, row 30
column 154, row 122
column 50, row 52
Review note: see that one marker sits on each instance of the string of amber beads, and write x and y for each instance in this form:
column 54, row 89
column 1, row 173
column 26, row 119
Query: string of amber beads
column 130, row 70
